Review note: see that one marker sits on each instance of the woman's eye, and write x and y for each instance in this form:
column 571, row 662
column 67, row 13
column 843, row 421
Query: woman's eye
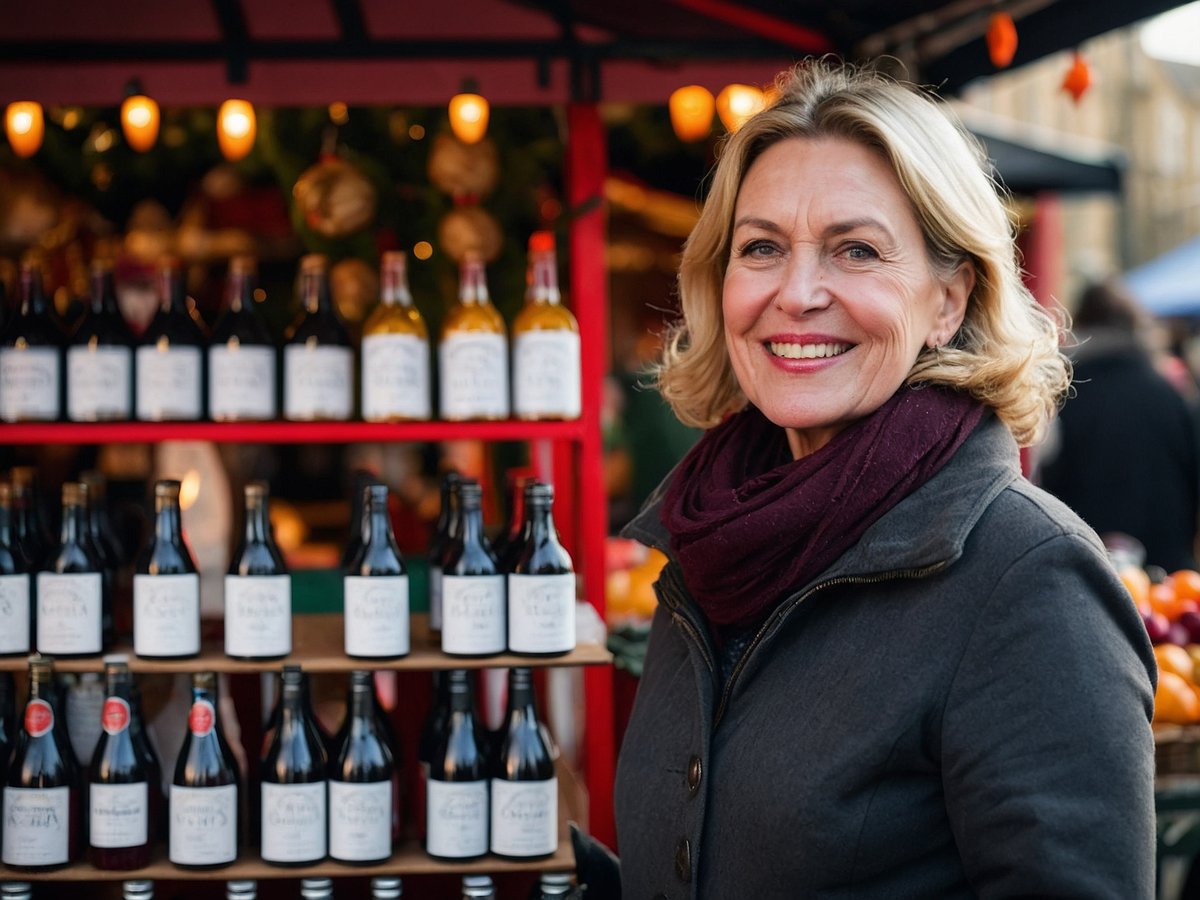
column 860, row 252
column 757, row 249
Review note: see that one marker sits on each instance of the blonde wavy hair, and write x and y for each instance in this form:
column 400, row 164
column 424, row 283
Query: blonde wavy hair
column 1006, row 353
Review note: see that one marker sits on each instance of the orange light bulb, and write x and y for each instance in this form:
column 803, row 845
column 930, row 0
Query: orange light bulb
column 25, row 126
column 236, row 128
column 139, row 122
column 469, row 117
column 691, row 109
column 1001, row 39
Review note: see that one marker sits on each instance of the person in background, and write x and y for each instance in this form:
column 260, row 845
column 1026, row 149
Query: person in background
column 1124, row 451
column 883, row 663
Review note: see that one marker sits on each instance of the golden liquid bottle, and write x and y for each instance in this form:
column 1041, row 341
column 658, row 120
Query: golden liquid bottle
column 395, row 351
column 473, row 353
column 545, row 342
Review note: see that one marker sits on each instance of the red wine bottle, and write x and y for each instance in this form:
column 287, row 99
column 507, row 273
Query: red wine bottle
column 473, row 604
column 444, row 532
column 431, row 730
column 166, row 586
column 71, row 596
column 204, row 791
column 241, row 354
column 41, row 792
column 119, row 780
column 29, row 525
column 511, row 540
column 318, row 358
column 16, row 614
column 170, row 355
column 541, row 585
column 100, row 356
column 361, row 480
column 293, row 792
column 31, row 356
column 456, row 795
column 258, row 588
column 524, row 800
column 375, row 588
column 362, row 783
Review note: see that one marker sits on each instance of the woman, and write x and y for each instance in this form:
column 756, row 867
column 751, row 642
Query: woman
column 883, row 664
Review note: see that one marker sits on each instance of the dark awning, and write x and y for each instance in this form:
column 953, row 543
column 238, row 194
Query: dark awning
column 1029, row 168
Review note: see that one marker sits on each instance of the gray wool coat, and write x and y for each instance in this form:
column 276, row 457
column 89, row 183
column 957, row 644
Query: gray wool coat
column 958, row 707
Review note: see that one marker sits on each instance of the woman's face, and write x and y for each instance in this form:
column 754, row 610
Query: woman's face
column 829, row 295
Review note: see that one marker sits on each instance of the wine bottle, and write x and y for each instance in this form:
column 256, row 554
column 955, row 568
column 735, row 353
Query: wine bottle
column 16, row 618
column 115, row 561
column 166, row 586
column 318, row 358
column 395, row 351
column 169, row 361
column 433, row 726
column 546, row 373
column 362, row 783
column 361, row 480
column 276, row 715
column 375, row 588
column 293, row 783
column 31, row 356
column 443, row 534
column 473, row 352
column 100, row 356
column 241, row 354
column 478, row 887
column 524, row 801
column 41, row 792
column 509, row 544
column 258, row 588
column 119, row 789
column 71, row 601
column 150, row 760
column 82, row 706
column 541, row 586
column 473, row 605
column 204, row 791
column 457, row 790
column 30, row 524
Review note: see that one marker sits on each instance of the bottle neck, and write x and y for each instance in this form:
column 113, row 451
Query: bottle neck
column 395, row 285
column 119, row 683
column 521, row 703
column 33, row 298
column 41, row 685
column 379, row 523
column 458, row 694
column 544, row 288
column 471, row 523
column 74, row 524
column 292, row 705
column 104, row 294
column 8, row 535
column 167, row 526
column 315, row 292
column 472, row 287
column 241, row 292
column 541, row 522
column 170, row 291
column 258, row 522
column 362, row 706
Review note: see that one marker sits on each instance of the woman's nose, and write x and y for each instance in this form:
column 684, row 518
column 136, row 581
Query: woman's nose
column 804, row 286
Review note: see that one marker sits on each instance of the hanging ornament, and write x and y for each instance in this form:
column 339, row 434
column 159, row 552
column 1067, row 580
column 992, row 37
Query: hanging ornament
column 1001, row 39
column 467, row 172
column 1079, row 78
column 470, row 230
column 335, row 198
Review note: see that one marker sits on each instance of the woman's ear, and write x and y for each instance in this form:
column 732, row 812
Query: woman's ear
column 956, row 291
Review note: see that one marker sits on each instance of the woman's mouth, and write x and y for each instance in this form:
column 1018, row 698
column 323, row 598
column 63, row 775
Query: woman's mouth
column 806, row 351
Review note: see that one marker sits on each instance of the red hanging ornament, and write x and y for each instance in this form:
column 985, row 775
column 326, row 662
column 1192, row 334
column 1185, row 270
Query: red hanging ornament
column 1001, row 39
column 1078, row 78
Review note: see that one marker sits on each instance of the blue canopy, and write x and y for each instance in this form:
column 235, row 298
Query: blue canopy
column 1169, row 285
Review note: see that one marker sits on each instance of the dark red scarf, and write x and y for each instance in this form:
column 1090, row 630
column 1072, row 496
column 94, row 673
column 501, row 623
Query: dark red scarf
column 749, row 524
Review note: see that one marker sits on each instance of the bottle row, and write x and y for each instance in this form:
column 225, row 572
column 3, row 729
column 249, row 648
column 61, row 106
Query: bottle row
column 175, row 370
column 59, row 599
column 314, row 796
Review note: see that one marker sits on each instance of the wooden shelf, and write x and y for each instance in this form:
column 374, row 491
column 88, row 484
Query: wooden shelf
column 317, row 647
column 287, row 432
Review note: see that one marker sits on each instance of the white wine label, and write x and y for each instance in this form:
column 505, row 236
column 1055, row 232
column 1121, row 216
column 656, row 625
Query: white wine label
column 258, row 615
column 360, row 820
column 69, row 613
column 29, row 383
column 524, row 817
column 203, row 825
column 473, row 614
column 541, row 613
column 98, row 383
column 376, row 615
column 241, row 382
column 14, row 613
column 37, row 826
column 166, row 615
column 435, row 598
column 395, row 377
column 473, row 373
column 168, row 383
column 85, row 705
column 294, row 822
column 119, row 814
column 456, row 818
column 318, row 382
column 546, row 374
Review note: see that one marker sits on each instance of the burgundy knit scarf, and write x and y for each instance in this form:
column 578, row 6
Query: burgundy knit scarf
column 749, row 524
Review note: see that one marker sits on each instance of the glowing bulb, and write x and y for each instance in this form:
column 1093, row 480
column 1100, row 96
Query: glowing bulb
column 691, row 109
column 469, row 117
column 25, row 126
column 737, row 103
column 236, row 128
column 139, row 121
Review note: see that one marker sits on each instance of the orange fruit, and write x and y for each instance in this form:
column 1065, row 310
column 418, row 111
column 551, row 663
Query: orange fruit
column 1163, row 599
column 1174, row 658
column 1137, row 582
column 1186, row 584
column 1175, row 700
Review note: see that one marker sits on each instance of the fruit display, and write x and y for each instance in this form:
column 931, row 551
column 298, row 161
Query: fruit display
column 1169, row 604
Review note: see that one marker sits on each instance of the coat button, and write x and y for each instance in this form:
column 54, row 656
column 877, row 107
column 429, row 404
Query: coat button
column 683, row 860
column 695, row 770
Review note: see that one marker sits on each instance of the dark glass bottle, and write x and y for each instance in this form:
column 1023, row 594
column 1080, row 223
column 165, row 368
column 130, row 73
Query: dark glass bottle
column 258, row 588
column 204, row 792
column 16, row 596
column 31, row 356
column 541, row 585
column 116, row 561
column 524, row 800
column 318, row 357
column 431, row 729
column 362, row 783
column 150, row 759
column 555, row 886
column 241, row 354
column 33, row 530
column 119, row 782
column 473, row 605
column 375, row 588
column 72, row 603
column 509, row 542
column 41, row 791
column 169, row 361
column 360, row 481
column 100, row 356
column 457, row 790
column 166, row 586
column 444, row 532
column 8, row 723
column 276, row 714
column 293, row 808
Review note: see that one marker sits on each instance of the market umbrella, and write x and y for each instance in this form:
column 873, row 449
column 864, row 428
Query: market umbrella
column 1169, row 285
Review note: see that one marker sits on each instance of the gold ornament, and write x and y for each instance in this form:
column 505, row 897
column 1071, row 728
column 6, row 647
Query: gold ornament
column 470, row 230
column 463, row 170
column 336, row 198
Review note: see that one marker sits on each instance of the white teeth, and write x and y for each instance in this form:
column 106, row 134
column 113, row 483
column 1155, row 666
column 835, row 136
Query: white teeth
column 807, row 351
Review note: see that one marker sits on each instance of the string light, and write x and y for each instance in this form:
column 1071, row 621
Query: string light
column 691, row 109
column 139, row 121
column 236, row 128
column 738, row 102
column 469, row 117
column 25, row 126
